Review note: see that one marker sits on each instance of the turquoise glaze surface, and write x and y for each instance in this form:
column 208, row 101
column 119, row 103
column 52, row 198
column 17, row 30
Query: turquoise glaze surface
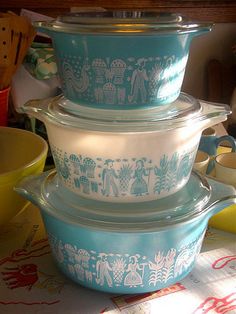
column 120, row 249
column 126, row 263
column 121, row 72
column 122, row 58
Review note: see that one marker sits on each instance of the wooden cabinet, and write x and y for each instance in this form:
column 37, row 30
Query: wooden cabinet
column 204, row 10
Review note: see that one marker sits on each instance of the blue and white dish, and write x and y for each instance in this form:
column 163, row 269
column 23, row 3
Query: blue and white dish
column 125, row 156
column 122, row 59
column 129, row 248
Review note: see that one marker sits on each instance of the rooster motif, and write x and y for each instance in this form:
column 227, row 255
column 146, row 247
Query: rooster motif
column 73, row 83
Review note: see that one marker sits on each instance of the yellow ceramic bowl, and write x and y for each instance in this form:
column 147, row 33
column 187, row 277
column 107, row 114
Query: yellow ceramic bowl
column 226, row 219
column 22, row 153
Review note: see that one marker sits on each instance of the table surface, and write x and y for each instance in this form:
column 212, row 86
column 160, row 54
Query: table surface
column 209, row 288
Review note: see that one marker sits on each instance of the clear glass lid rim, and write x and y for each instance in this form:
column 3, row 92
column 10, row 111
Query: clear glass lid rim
column 181, row 110
column 87, row 218
column 146, row 21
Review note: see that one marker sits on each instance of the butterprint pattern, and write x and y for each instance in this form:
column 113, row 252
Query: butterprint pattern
column 122, row 177
column 122, row 81
column 109, row 269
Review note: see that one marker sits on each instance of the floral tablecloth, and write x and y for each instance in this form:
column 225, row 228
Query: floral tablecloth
column 31, row 283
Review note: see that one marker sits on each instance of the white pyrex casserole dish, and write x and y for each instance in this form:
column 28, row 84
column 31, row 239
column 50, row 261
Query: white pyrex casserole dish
column 125, row 156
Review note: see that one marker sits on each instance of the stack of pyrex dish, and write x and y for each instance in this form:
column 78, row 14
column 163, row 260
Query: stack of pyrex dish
column 123, row 211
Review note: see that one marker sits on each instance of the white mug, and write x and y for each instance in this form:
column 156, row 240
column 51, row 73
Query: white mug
column 210, row 142
column 225, row 168
column 201, row 162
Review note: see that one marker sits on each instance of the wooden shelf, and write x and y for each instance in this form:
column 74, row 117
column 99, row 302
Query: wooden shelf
column 203, row 10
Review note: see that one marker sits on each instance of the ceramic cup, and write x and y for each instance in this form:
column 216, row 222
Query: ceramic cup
column 225, row 168
column 209, row 143
column 201, row 161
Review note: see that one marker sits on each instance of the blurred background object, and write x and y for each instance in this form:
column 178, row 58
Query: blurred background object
column 23, row 153
column 34, row 77
column 16, row 35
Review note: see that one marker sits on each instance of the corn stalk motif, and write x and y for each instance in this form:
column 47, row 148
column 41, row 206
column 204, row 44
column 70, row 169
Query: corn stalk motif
column 171, row 171
column 161, row 173
column 162, row 269
column 169, row 265
column 171, row 176
column 156, row 269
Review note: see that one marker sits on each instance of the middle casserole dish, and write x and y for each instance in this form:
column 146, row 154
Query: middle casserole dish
column 126, row 156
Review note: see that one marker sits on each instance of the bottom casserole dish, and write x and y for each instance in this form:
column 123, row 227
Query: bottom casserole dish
column 131, row 248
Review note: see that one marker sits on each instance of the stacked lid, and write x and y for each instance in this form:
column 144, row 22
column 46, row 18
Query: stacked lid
column 132, row 217
column 183, row 112
column 125, row 22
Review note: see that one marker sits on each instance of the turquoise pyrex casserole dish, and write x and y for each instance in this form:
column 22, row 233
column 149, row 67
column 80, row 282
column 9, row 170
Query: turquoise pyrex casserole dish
column 122, row 59
column 126, row 248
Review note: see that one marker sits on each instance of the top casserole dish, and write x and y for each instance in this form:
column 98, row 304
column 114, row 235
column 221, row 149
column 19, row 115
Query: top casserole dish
column 122, row 59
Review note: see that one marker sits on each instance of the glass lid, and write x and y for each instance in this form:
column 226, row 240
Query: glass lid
column 125, row 217
column 176, row 114
column 125, row 22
